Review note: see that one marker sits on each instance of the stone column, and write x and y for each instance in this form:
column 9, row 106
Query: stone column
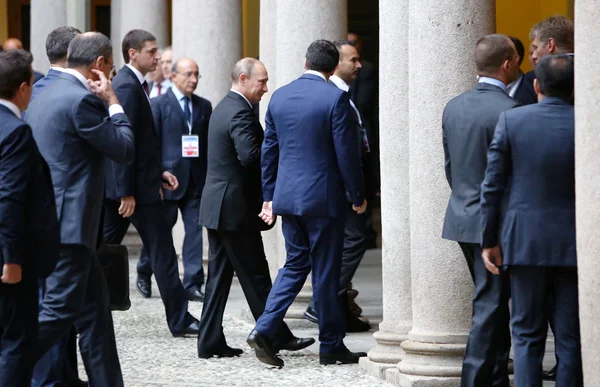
column 78, row 14
column 149, row 15
column 587, row 145
column 115, row 32
column 46, row 15
column 395, row 198
column 441, row 285
column 210, row 32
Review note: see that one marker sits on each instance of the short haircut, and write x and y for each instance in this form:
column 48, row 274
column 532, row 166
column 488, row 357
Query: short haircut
column 57, row 42
column 520, row 48
column 558, row 28
column 556, row 75
column 15, row 68
column 85, row 48
column 491, row 52
column 343, row 42
column 135, row 39
column 322, row 56
column 243, row 66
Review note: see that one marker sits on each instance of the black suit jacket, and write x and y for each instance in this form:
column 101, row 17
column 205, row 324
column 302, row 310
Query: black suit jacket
column 75, row 135
column 468, row 125
column 525, row 93
column 142, row 177
column 29, row 230
column 171, row 125
column 232, row 195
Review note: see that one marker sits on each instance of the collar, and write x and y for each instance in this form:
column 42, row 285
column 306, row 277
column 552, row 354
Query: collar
column 137, row 73
column 59, row 69
column 178, row 94
column 554, row 101
column 339, row 82
column 318, row 74
column 492, row 81
column 11, row 106
column 79, row 76
column 243, row 96
column 166, row 83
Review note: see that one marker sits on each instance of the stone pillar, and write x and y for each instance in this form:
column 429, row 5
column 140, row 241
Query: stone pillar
column 149, row 15
column 46, row 15
column 115, row 32
column 395, row 198
column 441, row 284
column 587, row 145
column 78, row 14
column 210, row 32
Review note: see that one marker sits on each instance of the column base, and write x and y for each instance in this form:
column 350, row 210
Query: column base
column 388, row 349
column 375, row 369
column 438, row 360
column 395, row 377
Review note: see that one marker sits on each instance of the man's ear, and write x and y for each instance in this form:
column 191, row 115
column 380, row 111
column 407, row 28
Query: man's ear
column 536, row 86
column 131, row 53
column 551, row 45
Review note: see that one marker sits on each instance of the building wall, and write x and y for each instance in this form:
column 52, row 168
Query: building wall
column 3, row 20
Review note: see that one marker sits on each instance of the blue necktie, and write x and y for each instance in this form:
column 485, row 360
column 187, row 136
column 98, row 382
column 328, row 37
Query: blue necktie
column 186, row 110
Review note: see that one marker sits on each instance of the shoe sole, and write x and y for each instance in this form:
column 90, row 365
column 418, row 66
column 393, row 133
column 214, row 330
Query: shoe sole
column 263, row 356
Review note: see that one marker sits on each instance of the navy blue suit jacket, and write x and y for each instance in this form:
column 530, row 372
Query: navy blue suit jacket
column 142, row 177
column 75, row 134
column 170, row 126
column 44, row 82
column 29, row 231
column 309, row 155
column 534, row 146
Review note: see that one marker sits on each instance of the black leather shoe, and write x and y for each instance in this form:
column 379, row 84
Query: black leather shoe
column 144, row 285
column 195, row 295
column 354, row 324
column 311, row 315
column 77, row 383
column 226, row 351
column 550, row 376
column 343, row 357
column 263, row 348
column 192, row 329
column 297, row 344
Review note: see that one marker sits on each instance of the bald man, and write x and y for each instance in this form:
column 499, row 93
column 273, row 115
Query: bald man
column 16, row 44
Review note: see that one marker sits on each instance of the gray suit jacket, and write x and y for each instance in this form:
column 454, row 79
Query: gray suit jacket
column 74, row 133
column 468, row 125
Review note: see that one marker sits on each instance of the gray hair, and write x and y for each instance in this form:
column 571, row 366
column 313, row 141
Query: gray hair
column 243, row 66
column 85, row 49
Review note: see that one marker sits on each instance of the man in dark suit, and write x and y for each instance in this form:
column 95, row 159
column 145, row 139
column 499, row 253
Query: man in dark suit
column 468, row 125
column 534, row 149
column 29, row 231
column 76, row 132
column 309, row 161
column 231, row 202
column 134, row 192
column 182, row 117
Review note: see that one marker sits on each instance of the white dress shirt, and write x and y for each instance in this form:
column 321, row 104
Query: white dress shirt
column 341, row 84
column 11, row 106
column 164, row 86
column 243, row 96
column 112, row 109
column 493, row 81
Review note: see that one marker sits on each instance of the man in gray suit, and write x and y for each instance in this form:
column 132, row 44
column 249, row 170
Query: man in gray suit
column 468, row 126
column 77, row 122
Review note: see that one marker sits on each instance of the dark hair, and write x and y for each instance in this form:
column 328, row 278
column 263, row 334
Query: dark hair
column 85, row 48
column 343, row 42
column 322, row 56
column 558, row 28
column 15, row 68
column 520, row 48
column 135, row 39
column 57, row 42
column 556, row 76
column 491, row 52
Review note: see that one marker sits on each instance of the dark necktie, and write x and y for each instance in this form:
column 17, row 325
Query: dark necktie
column 186, row 110
column 145, row 86
column 158, row 87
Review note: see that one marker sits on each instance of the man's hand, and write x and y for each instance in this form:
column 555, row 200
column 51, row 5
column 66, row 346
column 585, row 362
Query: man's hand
column 492, row 258
column 267, row 213
column 103, row 88
column 169, row 181
column 11, row 273
column 127, row 206
column 361, row 209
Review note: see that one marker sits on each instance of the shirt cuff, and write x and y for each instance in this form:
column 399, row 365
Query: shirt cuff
column 115, row 109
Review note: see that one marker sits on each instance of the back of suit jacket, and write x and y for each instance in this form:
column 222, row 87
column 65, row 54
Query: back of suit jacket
column 468, row 123
column 74, row 134
column 142, row 177
column 232, row 196
column 171, row 125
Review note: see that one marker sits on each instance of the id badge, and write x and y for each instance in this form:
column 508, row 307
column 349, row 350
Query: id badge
column 190, row 146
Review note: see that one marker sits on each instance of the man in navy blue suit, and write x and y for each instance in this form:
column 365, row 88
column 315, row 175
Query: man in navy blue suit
column 534, row 149
column 78, row 123
column 309, row 160
column 29, row 230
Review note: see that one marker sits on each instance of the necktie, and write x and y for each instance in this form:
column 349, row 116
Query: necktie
column 145, row 86
column 158, row 87
column 186, row 110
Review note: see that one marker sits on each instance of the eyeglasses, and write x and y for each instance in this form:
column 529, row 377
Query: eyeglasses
column 189, row 75
column 112, row 65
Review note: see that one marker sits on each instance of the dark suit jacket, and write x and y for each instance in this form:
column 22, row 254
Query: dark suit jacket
column 364, row 92
column 468, row 125
column 232, row 197
column 29, row 230
column 142, row 177
column 170, row 125
column 309, row 156
column 525, row 93
column 37, row 76
column 534, row 146
column 75, row 134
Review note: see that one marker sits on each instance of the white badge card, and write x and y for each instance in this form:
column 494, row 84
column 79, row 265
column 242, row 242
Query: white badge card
column 190, row 146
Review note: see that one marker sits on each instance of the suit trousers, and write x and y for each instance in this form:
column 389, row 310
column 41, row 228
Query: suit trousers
column 486, row 356
column 77, row 294
column 532, row 289
column 193, row 272
column 149, row 221
column 18, row 331
column 312, row 243
column 241, row 252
